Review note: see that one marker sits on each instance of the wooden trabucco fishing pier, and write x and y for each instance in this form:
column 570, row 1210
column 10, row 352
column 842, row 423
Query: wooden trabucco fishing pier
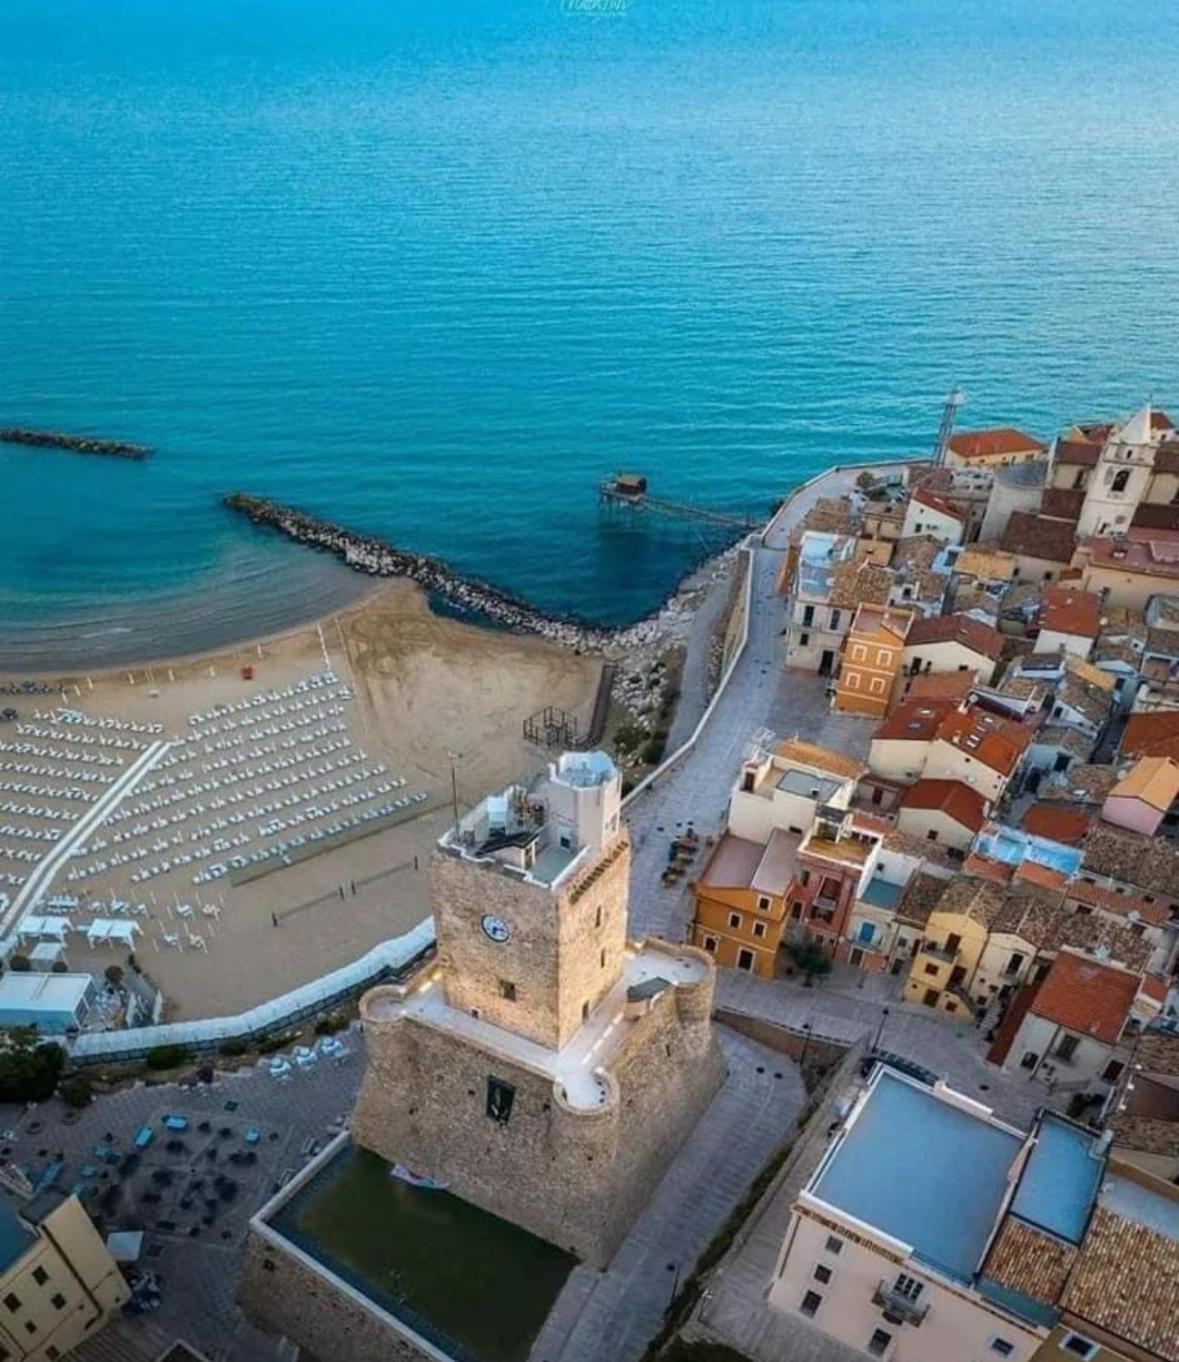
column 629, row 490
column 79, row 444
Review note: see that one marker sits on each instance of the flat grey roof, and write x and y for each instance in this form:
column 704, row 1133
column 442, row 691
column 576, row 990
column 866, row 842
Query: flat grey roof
column 822, row 788
column 923, row 1171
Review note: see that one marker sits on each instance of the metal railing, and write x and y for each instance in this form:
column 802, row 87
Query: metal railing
column 897, row 1305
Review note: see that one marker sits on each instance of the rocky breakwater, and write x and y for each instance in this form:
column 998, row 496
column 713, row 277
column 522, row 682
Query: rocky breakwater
column 79, row 444
column 375, row 556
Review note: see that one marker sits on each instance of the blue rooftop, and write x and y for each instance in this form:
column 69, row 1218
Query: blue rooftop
column 881, row 894
column 1012, row 846
column 923, row 1171
column 1060, row 1181
column 15, row 1236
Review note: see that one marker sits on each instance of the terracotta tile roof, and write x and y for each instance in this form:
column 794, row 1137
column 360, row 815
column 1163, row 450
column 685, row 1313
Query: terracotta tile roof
column 1078, row 452
column 1087, row 672
column 1117, row 620
column 1147, row 553
column 1091, row 702
column 1108, row 900
column 1158, row 1053
column 1120, row 651
column 962, row 629
column 1159, row 420
column 1166, row 457
column 1148, row 516
column 1063, row 503
column 1146, row 863
column 924, row 497
column 981, row 444
column 977, row 899
column 1163, row 643
column 1067, row 739
column 1086, row 995
column 988, row 565
column 914, row 720
column 951, row 797
column 819, row 758
column 857, row 583
column 922, row 895
column 829, row 515
column 874, row 619
column 1155, row 914
column 1085, row 783
column 1037, row 914
column 934, row 686
column 1031, row 872
column 997, row 743
column 1066, row 824
column 1033, row 536
column 1026, row 1260
column 1151, row 734
column 916, row 551
column 1068, row 610
column 1153, row 780
column 1126, row 1281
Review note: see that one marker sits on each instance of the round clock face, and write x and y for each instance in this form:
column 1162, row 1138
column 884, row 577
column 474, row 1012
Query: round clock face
column 495, row 928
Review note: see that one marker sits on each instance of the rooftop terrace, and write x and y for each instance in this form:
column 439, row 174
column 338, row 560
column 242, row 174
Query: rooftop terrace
column 922, row 1170
column 1060, row 1179
column 577, row 1068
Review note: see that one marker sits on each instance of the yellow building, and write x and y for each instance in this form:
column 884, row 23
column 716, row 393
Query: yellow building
column 871, row 661
column 741, row 901
column 952, row 946
column 58, row 1283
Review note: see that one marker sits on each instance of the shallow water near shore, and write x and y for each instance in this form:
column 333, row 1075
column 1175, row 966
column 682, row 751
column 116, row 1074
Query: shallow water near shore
column 433, row 272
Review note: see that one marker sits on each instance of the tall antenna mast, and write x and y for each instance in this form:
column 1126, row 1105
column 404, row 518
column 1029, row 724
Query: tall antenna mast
column 956, row 398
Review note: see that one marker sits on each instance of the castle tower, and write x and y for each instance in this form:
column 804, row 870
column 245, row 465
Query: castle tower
column 542, row 1067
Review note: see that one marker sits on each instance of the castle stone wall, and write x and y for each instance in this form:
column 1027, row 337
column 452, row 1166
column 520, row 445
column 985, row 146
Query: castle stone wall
column 576, row 1178
column 284, row 1296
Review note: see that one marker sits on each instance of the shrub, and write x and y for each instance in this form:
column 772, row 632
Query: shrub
column 59, row 967
column 271, row 1044
column 166, row 1056
column 627, row 737
column 114, row 975
column 329, row 1025
column 652, row 750
column 231, row 1048
column 20, row 964
column 76, row 1091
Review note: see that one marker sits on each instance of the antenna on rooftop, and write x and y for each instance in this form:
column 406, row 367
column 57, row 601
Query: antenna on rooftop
column 949, row 412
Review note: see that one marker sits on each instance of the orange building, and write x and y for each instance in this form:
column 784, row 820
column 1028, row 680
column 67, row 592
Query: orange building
column 871, row 663
column 741, row 901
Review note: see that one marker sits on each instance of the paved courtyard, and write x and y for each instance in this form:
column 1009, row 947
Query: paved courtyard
column 198, row 1274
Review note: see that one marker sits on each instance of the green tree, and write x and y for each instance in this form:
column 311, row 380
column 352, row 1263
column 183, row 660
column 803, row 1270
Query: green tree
column 76, row 1091
column 29, row 1069
column 20, row 964
column 810, row 960
column 114, row 975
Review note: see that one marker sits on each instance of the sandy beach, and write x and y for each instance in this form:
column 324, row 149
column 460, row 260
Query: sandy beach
column 424, row 688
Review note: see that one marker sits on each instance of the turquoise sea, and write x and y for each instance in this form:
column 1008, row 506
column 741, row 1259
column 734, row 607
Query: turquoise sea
column 433, row 269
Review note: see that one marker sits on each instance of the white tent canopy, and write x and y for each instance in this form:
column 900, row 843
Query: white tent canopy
column 112, row 929
column 54, row 928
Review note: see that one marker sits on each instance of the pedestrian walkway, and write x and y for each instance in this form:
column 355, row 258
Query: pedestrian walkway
column 613, row 1317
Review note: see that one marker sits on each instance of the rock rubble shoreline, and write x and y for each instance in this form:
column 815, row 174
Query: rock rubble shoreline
column 378, row 558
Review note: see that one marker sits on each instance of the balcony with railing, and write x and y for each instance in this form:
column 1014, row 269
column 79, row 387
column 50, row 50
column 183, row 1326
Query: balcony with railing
column 898, row 1308
column 939, row 952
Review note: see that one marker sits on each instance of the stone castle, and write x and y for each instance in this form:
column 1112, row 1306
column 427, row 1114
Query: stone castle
column 542, row 1066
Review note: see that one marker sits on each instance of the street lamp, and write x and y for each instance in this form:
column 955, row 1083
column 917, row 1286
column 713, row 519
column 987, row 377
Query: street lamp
column 455, row 757
column 880, row 1028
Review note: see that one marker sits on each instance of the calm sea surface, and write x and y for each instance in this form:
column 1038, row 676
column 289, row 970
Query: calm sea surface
column 434, row 269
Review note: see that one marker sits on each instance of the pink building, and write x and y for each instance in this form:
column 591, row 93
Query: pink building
column 1142, row 798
